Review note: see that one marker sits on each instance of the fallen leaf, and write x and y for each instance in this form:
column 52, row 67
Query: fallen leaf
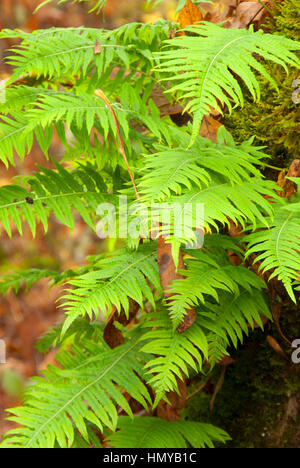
column 190, row 14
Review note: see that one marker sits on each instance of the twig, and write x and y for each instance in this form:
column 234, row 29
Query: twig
column 102, row 96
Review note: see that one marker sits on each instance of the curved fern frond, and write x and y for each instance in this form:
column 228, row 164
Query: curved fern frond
column 114, row 280
column 208, row 275
column 85, row 390
column 278, row 247
column 205, row 67
column 15, row 279
column 150, row 432
column 58, row 192
column 57, row 52
column 12, row 138
column 171, row 170
column 247, row 200
column 175, row 354
column 225, row 323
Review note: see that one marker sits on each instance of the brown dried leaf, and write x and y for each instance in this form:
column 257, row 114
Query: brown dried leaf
column 248, row 13
column 171, row 412
column 276, row 346
column 209, row 128
column 98, row 48
column 190, row 14
column 112, row 335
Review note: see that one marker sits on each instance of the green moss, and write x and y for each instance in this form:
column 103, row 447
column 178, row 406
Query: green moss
column 254, row 403
column 275, row 119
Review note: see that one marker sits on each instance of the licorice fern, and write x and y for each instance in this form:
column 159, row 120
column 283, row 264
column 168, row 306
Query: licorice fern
column 277, row 249
column 157, row 433
column 206, row 66
column 97, row 91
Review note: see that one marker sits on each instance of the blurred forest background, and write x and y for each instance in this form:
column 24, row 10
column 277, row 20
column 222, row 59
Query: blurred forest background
column 258, row 404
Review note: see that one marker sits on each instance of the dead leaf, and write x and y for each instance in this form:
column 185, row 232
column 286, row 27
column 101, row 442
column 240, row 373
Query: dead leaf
column 98, row 48
column 209, row 128
column 248, row 13
column 190, row 14
column 171, row 412
column 276, row 346
column 112, row 335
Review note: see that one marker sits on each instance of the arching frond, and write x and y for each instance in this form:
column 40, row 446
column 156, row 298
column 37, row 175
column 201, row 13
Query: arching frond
column 172, row 170
column 242, row 202
column 58, row 192
column 15, row 279
column 149, row 432
column 175, row 354
column 226, row 322
column 278, row 247
column 205, row 65
column 115, row 279
column 71, row 51
column 85, row 390
column 206, row 276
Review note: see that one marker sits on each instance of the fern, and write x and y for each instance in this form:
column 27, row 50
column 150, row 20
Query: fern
column 207, row 275
column 52, row 191
column 114, row 280
column 175, row 354
column 78, row 393
column 15, row 279
column 156, row 433
column 104, row 94
column 205, row 66
column 278, row 248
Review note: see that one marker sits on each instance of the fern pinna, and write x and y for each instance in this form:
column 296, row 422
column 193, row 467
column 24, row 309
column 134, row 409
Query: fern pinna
column 96, row 89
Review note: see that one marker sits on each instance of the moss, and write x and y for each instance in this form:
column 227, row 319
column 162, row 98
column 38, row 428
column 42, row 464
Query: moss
column 258, row 403
column 275, row 119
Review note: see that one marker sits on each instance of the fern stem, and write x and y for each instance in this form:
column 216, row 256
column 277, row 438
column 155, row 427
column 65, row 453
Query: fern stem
column 272, row 167
column 102, row 96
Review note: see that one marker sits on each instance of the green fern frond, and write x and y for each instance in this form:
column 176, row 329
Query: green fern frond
column 278, row 247
column 239, row 202
column 171, row 170
column 175, row 354
column 80, row 331
column 15, row 279
column 86, row 389
column 208, row 274
column 58, row 192
column 150, row 432
column 82, row 110
column 60, row 52
column 57, row 53
column 114, row 280
column 12, row 138
column 225, row 323
column 205, row 66
column 98, row 4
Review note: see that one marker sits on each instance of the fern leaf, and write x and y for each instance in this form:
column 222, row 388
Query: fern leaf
column 278, row 247
column 207, row 276
column 86, row 389
column 172, row 170
column 205, row 67
column 15, row 279
column 115, row 279
column 175, row 354
column 52, row 191
column 150, row 432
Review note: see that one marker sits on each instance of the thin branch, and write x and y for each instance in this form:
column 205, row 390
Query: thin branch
column 102, row 96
